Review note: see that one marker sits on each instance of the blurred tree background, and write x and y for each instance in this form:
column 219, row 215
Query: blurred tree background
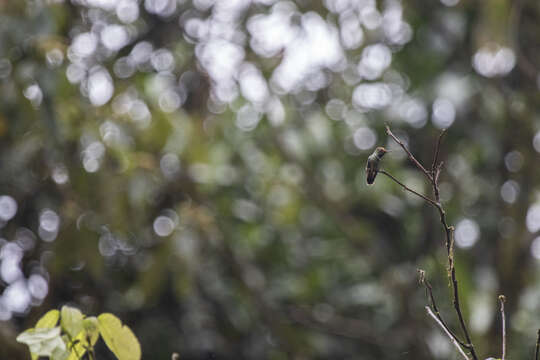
column 197, row 168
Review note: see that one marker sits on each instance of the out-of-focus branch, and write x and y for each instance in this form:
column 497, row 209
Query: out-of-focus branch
column 502, row 299
column 524, row 64
column 452, row 339
column 336, row 325
column 537, row 345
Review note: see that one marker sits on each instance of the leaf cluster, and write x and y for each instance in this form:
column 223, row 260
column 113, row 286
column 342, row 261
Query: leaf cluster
column 68, row 334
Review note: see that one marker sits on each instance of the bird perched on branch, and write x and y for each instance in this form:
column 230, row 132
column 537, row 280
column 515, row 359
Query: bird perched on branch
column 372, row 165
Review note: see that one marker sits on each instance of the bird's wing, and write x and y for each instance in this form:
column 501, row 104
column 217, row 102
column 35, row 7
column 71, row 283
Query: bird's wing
column 371, row 172
column 369, row 166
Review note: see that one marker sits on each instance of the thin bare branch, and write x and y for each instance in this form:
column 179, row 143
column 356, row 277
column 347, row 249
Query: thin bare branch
column 436, row 157
column 433, row 177
column 437, row 173
column 456, row 344
column 411, row 156
column 434, row 307
column 455, row 287
column 409, row 189
column 502, row 299
column 436, row 168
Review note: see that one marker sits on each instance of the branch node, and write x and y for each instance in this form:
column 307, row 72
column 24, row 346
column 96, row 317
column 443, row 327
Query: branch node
column 410, row 155
column 405, row 187
column 452, row 339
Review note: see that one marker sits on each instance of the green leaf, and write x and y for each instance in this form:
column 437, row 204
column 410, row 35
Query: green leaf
column 32, row 336
column 85, row 339
column 59, row 354
column 119, row 338
column 49, row 320
column 71, row 320
column 91, row 326
column 42, row 342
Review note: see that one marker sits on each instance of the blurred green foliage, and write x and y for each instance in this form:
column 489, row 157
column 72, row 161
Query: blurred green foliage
column 197, row 169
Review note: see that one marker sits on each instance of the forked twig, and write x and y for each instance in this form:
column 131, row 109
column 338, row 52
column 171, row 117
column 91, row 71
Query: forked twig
column 452, row 339
column 433, row 177
column 435, row 308
column 432, row 309
column 411, row 157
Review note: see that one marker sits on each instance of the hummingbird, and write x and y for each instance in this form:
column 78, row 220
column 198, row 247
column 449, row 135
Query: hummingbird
column 372, row 165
